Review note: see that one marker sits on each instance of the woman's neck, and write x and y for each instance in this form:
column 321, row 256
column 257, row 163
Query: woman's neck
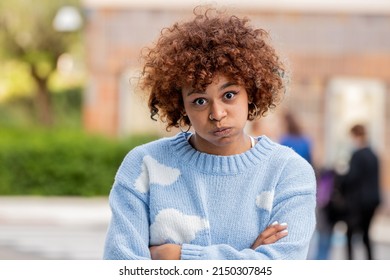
column 241, row 144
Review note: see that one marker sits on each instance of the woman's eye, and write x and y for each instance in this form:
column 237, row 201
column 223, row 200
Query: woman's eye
column 230, row 95
column 199, row 101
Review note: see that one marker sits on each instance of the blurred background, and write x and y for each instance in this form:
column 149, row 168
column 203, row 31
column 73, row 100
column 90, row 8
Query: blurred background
column 70, row 110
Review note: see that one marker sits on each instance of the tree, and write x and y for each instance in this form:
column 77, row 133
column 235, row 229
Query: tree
column 27, row 34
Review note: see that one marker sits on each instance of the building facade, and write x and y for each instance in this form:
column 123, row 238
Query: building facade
column 338, row 59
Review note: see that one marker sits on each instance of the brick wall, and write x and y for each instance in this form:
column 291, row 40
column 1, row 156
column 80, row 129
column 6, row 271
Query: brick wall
column 317, row 47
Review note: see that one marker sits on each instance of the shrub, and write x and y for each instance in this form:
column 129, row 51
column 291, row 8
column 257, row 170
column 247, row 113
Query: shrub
column 44, row 162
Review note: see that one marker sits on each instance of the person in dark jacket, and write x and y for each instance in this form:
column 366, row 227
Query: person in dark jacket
column 361, row 190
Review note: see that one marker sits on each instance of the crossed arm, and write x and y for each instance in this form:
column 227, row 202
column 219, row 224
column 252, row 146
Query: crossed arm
column 270, row 235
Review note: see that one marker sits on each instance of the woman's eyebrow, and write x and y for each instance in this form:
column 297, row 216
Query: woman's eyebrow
column 228, row 84
column 195, row 91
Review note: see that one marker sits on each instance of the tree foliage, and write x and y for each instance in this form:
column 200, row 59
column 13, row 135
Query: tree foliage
column 27, row 35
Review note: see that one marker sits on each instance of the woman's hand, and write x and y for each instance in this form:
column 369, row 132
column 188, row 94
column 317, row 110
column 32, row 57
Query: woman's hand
column 271, row 234
column 165, row 252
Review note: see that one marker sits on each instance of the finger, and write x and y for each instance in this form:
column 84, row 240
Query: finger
column 256, row 244
column 269, row 240
column 277, row 236
column 272, row 229
column 280, row 227
column 276, row 224
column 271, row 234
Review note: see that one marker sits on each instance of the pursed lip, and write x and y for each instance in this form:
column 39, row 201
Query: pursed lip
column 222, row 131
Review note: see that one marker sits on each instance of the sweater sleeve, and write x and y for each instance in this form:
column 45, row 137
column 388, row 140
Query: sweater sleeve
column 128, row 232
column 294, row 204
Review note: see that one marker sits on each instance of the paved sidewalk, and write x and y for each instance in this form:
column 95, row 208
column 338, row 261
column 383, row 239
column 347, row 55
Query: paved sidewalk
column 53, row 228
column 74, row 229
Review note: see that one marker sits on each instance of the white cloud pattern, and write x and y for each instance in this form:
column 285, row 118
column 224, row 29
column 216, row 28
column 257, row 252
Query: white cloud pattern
column 154, row 172
column 265, row 200
column 171, row 224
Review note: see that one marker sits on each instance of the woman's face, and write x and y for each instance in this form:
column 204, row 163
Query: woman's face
column 218, row 116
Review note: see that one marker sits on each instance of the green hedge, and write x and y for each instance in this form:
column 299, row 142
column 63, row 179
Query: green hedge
column 52, row 163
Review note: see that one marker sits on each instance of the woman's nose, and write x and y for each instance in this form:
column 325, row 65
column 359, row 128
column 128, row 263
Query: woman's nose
column 217, row 112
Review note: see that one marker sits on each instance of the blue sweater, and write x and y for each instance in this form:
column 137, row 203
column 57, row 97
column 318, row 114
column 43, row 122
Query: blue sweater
column 214, row 206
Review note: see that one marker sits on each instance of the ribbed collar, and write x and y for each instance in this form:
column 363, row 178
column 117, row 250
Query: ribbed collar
column 223, row 165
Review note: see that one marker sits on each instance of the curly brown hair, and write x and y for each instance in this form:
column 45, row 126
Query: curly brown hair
column 193, row 52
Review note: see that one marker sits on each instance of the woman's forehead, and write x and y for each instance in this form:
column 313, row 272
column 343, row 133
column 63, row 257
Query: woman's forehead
column 220, row 81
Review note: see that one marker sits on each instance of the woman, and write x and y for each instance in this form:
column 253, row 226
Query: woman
column 216, row 192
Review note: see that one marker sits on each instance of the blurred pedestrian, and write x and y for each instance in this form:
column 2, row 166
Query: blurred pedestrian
column 295, row 138
column 330, row 210
column 361, row 190
column 324, row 228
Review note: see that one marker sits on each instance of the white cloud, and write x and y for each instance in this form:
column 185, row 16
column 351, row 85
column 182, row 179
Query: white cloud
column 154, row 172
column 173, row 225
column 265, row 199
